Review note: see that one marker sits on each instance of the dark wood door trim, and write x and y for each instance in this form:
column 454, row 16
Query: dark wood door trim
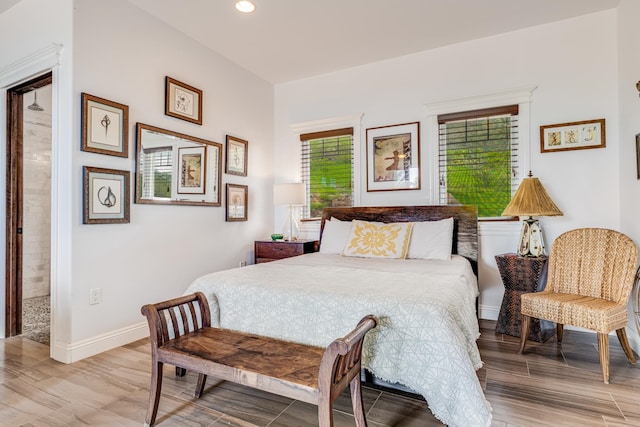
column 13, row 297
column 14, row 215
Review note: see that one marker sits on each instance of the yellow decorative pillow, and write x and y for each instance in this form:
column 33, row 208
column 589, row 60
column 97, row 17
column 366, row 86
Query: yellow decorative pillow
column 377, row 240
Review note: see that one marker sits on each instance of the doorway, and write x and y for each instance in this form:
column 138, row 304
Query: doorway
column 28, row 190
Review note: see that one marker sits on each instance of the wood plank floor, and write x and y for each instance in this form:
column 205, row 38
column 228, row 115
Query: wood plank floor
column 551, row 385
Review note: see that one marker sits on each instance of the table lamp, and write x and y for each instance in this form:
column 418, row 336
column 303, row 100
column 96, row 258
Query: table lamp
column 292, row 194
column 531, row 199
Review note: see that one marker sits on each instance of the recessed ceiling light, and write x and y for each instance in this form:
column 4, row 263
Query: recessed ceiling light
column 245, row 6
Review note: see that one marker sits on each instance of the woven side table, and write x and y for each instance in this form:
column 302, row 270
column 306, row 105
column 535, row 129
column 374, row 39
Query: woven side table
column 520, row 275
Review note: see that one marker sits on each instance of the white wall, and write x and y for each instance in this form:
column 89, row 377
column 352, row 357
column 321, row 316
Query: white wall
column 574, row 65
column 629, row 106
column 123, row 54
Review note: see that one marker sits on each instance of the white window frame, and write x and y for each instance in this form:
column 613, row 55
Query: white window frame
column 522, row 97
column 354, row 121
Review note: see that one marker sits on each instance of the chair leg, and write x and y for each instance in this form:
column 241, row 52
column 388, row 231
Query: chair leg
column 356, row 402
column 559, row 331
column 624, row 342
column 202, row 379
column 524, row 332
column 603, row 351
column 154, row 393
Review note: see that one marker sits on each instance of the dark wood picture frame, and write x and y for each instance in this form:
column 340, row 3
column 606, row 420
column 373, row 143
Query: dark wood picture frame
column 171, row 141
column 105, row 126
column 573, row 136
column 236, row 157
column 393, row 157
column 237, row 199
column 182, row 101
column 106, row 196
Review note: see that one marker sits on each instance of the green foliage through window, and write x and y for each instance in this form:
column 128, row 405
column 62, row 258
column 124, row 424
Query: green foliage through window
column 327, row 171
column 478, row 158
column 162, row 184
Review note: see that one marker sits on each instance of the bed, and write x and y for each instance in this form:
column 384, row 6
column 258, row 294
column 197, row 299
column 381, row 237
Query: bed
column 426, row 340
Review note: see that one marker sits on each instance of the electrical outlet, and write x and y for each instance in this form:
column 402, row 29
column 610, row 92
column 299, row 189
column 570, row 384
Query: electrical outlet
column 243, row 263
column 95, row 296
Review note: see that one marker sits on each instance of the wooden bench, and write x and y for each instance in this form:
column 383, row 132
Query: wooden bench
column 181, row 335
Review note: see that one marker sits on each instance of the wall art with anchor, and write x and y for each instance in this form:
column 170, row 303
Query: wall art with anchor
column 106, row 196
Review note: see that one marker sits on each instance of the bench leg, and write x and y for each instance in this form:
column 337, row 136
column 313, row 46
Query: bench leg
column 180, row 372
column 202, row 379
column 325, row 413
column 356, row 401
column 154, row 393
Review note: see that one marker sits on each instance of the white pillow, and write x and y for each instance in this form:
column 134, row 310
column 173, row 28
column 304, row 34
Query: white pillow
column 378, row 240
column 431, row 239
column 334, row 236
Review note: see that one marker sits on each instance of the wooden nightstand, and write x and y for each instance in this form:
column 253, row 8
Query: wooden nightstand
column 268, row 250
column 520, row 275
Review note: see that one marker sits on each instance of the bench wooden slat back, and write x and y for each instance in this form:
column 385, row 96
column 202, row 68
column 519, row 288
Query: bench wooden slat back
column 165, row 323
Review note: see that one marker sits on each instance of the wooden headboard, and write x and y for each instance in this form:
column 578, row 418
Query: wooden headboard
column 465, row 230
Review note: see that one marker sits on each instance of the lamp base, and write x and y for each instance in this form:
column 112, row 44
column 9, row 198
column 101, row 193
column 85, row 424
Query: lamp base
column 291, row 228
column 531, row 240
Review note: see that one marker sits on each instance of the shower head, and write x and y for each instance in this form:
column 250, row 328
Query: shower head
column 35, row 106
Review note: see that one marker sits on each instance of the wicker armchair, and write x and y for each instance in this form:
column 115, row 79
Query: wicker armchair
column 591, row 273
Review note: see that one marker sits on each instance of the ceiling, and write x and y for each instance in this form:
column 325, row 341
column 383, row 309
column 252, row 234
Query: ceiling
column 286, row 40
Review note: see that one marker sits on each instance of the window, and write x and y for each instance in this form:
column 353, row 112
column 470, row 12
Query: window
column 156, row 168
column 478, row 158
column 327, row 170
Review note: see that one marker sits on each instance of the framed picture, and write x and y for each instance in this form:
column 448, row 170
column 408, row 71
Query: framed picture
column 236, row 159
column 573, row 136
column 393, row 157
column 183, row 101
column 105, row 126
column 237, row 198
column 192, row 173
column 106, row 196
column 638, row 155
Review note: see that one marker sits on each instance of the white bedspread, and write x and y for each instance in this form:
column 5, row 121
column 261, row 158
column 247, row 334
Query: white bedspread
column 428, row 331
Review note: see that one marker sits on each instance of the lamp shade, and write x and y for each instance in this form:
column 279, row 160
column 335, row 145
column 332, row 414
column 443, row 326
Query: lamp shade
column 289, row 194
column 531, row 199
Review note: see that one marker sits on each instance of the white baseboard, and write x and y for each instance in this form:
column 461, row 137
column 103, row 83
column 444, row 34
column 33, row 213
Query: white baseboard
column 488, row 312
column 80, row 350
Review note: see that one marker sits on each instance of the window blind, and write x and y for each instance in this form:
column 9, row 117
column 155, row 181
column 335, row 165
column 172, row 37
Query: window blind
column 156, row 166
column 327, row 169
column 478, row 158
